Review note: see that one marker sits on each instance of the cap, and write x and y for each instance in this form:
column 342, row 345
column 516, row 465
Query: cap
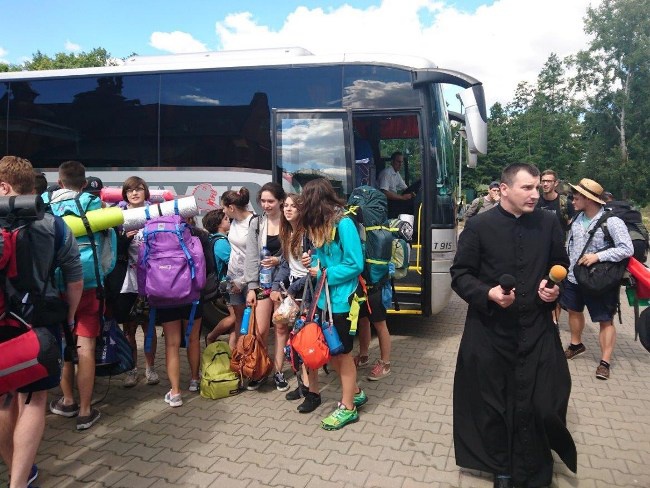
column 495, row 184
column 93, row 185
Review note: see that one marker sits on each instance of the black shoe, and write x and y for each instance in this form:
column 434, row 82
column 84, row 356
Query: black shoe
column 311, row 403
column 503, row 482
column 300, row 392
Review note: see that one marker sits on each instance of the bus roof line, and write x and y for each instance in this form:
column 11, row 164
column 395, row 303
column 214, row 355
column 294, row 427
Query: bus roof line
column 412, row 63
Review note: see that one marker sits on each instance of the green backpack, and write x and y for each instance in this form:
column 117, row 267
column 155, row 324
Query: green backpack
column 368, row 208
column 217, row 380
column 400, row 258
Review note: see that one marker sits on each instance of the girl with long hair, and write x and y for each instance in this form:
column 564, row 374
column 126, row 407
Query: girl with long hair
column 337, row 250
column 264, row 234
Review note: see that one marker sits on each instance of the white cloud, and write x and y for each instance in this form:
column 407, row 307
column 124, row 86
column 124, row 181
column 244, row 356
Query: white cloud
column 71, row 46
column 176, row 42
column 499, row 44
column 3, row 53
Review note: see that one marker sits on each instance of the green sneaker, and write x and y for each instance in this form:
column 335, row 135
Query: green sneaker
column 360, row 399
column 340, row 418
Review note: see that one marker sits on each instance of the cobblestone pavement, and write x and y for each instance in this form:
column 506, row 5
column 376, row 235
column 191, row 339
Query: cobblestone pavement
column 403, row 438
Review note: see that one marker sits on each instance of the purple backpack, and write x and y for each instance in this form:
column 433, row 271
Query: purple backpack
column 171, row 264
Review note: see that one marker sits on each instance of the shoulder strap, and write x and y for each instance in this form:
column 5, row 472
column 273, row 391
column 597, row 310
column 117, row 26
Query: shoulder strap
column 600, row 222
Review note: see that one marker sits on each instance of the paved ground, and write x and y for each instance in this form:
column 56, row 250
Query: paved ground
column 404, row 437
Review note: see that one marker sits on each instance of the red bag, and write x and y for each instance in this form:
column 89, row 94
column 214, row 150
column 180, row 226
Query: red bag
column 309, row 343
column 27, row 354
column 641, row 276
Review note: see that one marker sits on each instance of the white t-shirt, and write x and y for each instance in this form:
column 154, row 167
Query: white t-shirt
column 237, row 238
column 391, row 180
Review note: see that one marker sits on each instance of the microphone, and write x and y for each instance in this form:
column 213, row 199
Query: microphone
column 556, row 275
column 507, row 282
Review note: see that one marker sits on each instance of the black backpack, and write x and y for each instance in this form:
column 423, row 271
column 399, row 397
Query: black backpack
column 634, row 222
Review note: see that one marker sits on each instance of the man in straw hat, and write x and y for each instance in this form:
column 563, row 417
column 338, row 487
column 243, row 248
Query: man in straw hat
column 589, row 205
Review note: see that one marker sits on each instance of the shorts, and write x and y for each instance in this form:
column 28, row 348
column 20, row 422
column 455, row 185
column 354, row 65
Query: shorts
column 122, row 307
column 87, row 322
column 52, row 381
column 376, row 305
column 601, row 308
column 182, row 312
column 235, row 299
column 342, row 325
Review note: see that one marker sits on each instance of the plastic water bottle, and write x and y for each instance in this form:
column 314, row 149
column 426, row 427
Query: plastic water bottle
column 245, row 321
column 266, row 274
column 332, row 338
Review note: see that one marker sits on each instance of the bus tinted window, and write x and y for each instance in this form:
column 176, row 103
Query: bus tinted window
column 4, row 101
column 378, row 87
column 102, row 121
column 221, row 118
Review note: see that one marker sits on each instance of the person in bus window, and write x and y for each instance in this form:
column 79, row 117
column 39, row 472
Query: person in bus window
column 390, row 182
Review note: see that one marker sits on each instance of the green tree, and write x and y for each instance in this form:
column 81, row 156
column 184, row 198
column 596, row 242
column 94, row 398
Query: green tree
column 94, row 58
column 613, row 75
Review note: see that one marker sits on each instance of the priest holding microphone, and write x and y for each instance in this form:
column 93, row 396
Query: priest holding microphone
column 512, row 382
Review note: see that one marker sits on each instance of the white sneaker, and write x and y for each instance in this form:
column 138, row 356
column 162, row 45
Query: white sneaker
column 152, row 377
column 173, row 400
column 131, row 378
column 194, row 385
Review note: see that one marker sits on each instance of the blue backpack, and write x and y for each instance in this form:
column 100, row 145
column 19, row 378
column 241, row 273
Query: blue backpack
column 97, row 250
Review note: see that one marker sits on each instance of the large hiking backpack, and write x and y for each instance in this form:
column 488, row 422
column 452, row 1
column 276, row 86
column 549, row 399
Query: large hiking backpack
column 171, row 263
column 217, row 379
column 171, row 268
column 97, row 250
column 27, row 353
column 634, row 223
column 368, row 208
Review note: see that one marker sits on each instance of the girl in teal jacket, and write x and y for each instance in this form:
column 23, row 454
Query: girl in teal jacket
column 338, row 250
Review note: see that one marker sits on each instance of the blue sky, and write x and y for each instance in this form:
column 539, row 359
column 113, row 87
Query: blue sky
column 501, row 42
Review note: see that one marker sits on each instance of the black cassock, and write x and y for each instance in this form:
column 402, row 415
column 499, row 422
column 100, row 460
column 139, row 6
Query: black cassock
column 512, row 381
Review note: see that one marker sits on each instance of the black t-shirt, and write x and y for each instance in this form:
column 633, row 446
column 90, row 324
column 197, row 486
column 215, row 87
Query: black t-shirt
column 555, row 207
column 273, row 244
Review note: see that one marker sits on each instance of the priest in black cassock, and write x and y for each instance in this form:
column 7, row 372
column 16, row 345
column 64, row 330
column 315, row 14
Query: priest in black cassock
column 512, row 382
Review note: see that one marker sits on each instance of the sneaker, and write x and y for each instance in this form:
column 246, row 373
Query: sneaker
column 602, row 371
column 300, row 392
column 173, row 400
column 151, row 376
column 339, row 418
column 59, row 408
column 360, row 399
column 312, row 402
column 380, row 370
column 194, row 385
column 574, row 350
column 131, row 378
column 361, row 361
column 280, row 382
column 87, row 421
column 33, row 474
column 255, row 384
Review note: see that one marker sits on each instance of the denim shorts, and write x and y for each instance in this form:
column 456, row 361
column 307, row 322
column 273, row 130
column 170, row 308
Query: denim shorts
column 601, row 308
column 236, row 299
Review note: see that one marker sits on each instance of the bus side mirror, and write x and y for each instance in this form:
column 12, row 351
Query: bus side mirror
column 473, row 99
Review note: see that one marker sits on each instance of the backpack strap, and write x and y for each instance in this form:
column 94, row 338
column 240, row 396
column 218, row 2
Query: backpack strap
column 599, row 223
column 148, row 339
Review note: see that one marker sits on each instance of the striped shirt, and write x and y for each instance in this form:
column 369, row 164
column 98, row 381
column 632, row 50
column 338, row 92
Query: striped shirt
column 579, row 234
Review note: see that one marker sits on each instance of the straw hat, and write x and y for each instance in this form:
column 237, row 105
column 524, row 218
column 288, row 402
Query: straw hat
column 590, row 189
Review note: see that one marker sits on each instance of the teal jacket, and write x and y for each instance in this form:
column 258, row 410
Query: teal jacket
column 343, row 259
